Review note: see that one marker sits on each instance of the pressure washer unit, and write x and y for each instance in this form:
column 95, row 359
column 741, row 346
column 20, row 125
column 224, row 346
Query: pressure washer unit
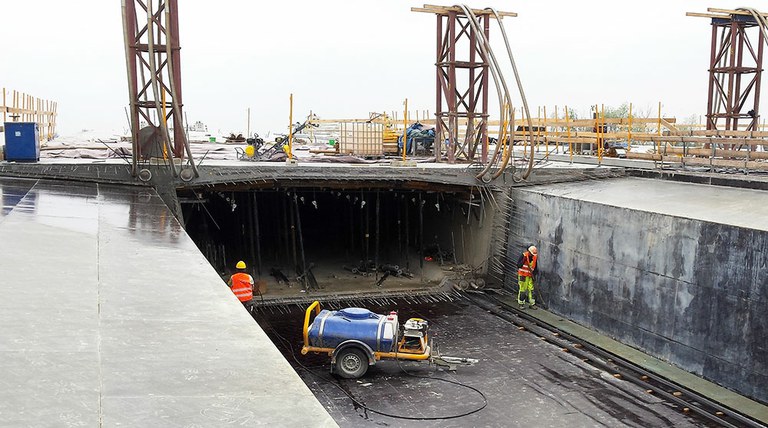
column 356, row 338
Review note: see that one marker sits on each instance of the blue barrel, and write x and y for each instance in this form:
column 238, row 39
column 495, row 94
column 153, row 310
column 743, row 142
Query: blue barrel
column 330, row 328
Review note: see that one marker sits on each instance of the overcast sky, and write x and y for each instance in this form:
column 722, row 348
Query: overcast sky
column 342, row 59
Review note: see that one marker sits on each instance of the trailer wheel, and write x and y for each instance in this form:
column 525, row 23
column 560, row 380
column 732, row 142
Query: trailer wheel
column 351, row 363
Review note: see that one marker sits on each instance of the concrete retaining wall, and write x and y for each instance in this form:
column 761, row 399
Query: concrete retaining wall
column 691, row 292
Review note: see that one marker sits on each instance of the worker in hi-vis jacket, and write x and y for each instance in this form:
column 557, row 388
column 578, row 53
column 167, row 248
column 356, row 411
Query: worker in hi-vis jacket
column 242, row 285
column 525, row 273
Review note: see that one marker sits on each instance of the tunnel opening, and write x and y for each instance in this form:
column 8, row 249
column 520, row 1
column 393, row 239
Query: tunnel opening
column 341, row 238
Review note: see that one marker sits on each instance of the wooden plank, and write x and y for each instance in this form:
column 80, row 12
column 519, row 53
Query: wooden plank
column 578, row 134
column 733, row 12
column 443, row 10
column 706, row 15
column 590, row 123
column 616, row 136
column 724, row 133
column 672, row 159
column 475, row 11
column 551, row 139
column 644, row 156
column 692, row 160
column 763, row 166
column 717, row 152
column 698, row 140
column 536, row 121
column 669, row 125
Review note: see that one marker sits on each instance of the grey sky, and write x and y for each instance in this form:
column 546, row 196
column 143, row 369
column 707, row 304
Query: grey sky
column 344, row 59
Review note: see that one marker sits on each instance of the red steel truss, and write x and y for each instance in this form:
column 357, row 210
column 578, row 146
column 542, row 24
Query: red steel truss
column 734, row 74
column 151, row 33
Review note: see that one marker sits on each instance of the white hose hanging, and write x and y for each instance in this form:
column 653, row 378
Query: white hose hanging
column 522, row 97
column 505, row 99
column 762, row 23
column 488, row 55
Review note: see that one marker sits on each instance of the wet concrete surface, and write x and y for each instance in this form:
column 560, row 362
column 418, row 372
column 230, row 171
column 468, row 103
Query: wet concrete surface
column 746, row 208
column 526, row 381
column 110, row 316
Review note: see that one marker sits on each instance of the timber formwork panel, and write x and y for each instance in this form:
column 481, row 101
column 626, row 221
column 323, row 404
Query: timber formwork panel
column 361, row 138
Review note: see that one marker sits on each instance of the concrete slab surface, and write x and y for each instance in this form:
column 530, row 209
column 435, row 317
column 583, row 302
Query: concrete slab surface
column 525, row 381
column 727, row 205
column 112, row 317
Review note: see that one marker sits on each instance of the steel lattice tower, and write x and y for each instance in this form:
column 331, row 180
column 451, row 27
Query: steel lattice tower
column 461, row 84
column 734, row 74
column 152, row 50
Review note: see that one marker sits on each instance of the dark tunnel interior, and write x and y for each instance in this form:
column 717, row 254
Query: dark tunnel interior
column 336, row 230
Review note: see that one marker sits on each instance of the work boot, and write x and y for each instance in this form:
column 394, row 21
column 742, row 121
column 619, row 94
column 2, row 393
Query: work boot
column 522, row 306
column 534, row 307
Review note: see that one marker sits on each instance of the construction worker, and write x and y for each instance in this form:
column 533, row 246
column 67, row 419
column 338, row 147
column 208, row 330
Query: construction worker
column 525, row 273
column 242, row 285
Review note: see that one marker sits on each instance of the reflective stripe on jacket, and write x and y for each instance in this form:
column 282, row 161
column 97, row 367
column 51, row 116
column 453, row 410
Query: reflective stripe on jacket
column 242, row 286
column 528, row 266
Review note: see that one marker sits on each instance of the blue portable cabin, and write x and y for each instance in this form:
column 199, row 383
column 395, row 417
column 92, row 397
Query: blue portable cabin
column 22, row 141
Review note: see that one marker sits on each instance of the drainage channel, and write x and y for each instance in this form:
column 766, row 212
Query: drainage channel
column 688, row 400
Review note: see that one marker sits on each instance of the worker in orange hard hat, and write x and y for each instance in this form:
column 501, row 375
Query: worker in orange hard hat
column 242, row 285
column 525, row 273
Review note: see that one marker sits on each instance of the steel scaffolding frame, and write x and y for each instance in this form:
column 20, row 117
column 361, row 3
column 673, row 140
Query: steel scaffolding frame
column 154, row 79
column 460, row 102
column 456, row 99
column 735, row 72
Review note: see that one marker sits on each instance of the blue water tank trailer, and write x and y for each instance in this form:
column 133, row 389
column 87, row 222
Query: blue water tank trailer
column 330, row 328
column 355, row 338
column 22, row 141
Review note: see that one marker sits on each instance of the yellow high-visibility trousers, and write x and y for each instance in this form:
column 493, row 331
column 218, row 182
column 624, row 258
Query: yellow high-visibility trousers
column 525, row 284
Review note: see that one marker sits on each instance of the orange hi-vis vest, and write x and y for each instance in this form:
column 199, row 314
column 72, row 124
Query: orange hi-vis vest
column 242, row 286
column 528, row 265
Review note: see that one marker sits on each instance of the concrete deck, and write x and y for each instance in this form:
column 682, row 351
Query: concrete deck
column 111, row 317
column 727, row 205
column 229, row 171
